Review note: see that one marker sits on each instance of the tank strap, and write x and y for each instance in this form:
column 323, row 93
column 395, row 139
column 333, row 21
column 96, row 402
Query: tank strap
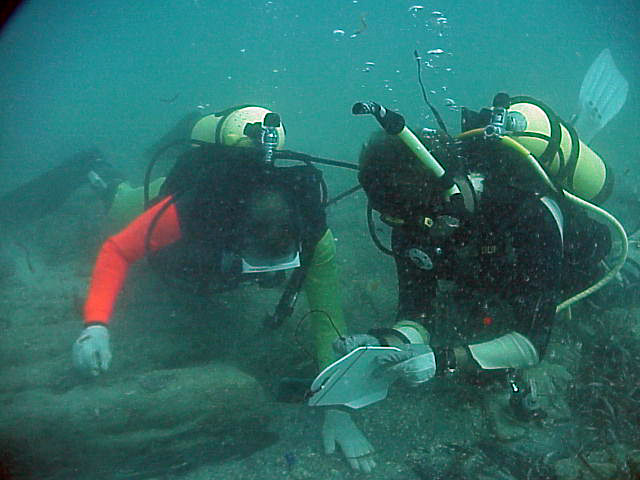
column 553, row 142
column 573, row 156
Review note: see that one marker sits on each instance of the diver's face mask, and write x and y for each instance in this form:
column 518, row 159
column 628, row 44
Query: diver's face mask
column 262, row 265
column 270, row 254
column 270, row 245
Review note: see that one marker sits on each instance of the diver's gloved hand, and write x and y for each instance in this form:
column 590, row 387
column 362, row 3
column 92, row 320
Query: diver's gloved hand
column 415, row 363
column 339, row 428
column 91, row 352
column 344, row 345
column 394, row 358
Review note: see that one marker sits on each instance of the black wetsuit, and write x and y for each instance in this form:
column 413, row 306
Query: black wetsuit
column 519, row 246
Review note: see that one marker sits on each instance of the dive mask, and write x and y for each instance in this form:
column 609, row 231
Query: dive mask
column 260, row 264
column 269, row 248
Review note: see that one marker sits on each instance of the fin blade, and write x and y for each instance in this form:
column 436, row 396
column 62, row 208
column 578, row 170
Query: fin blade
column 602, row 94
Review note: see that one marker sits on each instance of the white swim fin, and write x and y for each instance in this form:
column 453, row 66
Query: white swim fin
column 602, row 95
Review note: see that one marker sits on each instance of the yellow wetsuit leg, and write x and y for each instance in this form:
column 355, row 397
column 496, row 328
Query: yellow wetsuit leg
column 321, row 289
column 128, row 203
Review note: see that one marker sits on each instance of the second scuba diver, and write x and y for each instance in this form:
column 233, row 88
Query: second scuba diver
column 227, row 215
column 484, row 219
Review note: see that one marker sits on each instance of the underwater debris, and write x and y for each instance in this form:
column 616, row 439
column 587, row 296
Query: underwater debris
column 27, row 256
column 363, row 26
column 170, row 99
column 290, row 459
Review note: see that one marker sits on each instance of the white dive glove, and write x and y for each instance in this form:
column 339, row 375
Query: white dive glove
column 415, row 363
column 91, row 352
column 339, row 428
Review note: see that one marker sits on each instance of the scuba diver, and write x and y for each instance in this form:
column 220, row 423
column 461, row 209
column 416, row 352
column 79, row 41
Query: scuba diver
column 492, row 236
column 44, row 194
column 47, row 192
column 228, row 215
column 494, row 232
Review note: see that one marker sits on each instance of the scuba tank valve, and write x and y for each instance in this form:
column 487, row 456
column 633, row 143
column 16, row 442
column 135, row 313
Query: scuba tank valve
column 497, row 127
column 269, row 136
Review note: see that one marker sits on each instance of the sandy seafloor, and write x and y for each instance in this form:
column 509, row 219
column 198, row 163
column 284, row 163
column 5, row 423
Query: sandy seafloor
column 412, row 431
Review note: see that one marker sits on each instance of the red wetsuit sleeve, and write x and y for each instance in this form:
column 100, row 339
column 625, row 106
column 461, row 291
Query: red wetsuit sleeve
column 120, row 251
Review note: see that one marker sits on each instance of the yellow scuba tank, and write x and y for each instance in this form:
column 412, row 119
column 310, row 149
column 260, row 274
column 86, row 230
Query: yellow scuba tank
column 551, row 149
column 555, row 144
column 229, row 127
